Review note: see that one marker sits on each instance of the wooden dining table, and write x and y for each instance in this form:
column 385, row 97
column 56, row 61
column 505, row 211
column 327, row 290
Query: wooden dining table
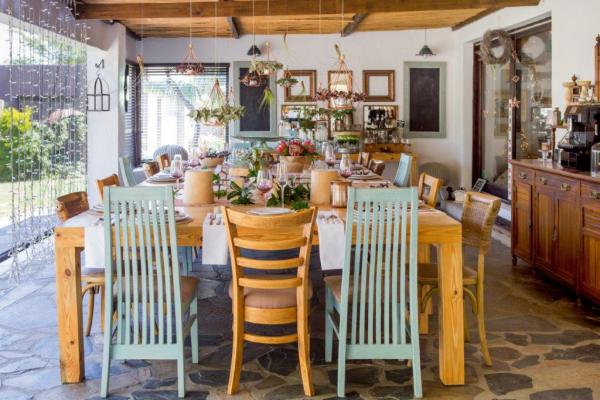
column 435, row 228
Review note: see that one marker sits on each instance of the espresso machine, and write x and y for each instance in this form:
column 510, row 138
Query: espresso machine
column 576, row 144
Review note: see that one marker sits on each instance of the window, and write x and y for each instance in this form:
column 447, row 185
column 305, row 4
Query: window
column 165, row 102
column 132, row 113
column 529, row 79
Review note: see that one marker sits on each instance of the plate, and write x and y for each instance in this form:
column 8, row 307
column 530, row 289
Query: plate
column 265, row 211
column 98, row 208
column 364, row 177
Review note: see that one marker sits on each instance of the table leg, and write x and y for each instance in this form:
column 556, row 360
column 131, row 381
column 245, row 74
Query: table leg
column 70, row 319
column 451, row 330
column 424, row 257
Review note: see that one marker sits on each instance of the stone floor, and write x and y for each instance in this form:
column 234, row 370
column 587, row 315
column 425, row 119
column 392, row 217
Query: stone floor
column 542, row 345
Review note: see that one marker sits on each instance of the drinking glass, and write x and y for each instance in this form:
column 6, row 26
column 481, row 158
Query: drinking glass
column 282, row 179
column 264, row 182
column 194, row 157
column 345, row 166
column 177, row 169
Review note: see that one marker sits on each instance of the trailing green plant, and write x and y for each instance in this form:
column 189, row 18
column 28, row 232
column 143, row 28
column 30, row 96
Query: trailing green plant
column 268, row 99
column 265, row 67
column 221, row 115
column 219, row 194
column 286, row 82
column 294, row 197
column 239, row 195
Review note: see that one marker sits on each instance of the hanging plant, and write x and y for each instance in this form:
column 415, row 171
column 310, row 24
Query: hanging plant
column 287, row 81
column 253, row 79
column 191, row 63
column 218, row 111
column 486, row 52
column 265, row 67
column 268, row 99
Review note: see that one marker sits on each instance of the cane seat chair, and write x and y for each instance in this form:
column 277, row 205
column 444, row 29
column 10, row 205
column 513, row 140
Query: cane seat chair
column 149, row 297
column 378, row 285
column 273, row 299
column 479, row 214
column 68, row 206
column 429, row 189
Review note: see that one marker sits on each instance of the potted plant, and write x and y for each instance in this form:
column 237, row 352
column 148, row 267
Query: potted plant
column 214, row 158
column 296, row 154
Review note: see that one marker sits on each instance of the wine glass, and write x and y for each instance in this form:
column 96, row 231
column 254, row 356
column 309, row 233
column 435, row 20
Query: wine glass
column 177, row 170
column 329, row 154
column 282, row 178
column 194, row 158
column 345, row 166
column 264, row 182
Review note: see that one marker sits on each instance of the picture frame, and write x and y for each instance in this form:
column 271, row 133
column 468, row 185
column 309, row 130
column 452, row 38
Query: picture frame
column 307, row 80
column 379, row 85
column 425, row 100
column 479, row 185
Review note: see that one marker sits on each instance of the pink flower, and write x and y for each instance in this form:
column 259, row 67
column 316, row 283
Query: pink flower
column 295, row 149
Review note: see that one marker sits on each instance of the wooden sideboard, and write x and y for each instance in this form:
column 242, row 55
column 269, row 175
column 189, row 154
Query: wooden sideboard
column 556, row 224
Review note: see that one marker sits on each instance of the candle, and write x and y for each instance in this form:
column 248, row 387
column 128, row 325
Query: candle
column 320, row 185
column 198, row 187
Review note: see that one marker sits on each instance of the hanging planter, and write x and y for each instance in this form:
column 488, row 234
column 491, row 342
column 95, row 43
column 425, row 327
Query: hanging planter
column 218, row 112
column 287, row 81
column 265, row 68
column 340, row 95
column 253, row 79
column 191, row 63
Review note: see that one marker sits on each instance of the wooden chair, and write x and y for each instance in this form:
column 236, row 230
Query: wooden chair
column 164, row 161
column 373, row 293
column 364, row 158
column 150, row 297
column 112, row 180
column 402, row 178
column 377, row 166
column 271, row 299
column 479, row 214
column 151, row 168
column 68, row 206
column 429, row 189
column 127, row 171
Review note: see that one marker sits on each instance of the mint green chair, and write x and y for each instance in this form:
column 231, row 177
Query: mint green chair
column 373, row 294
column 127, row 171
column 402, row 178
column 144, row 316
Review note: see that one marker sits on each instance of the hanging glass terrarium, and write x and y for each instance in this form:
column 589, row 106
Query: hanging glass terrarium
column 339, row 95
column 218, row 111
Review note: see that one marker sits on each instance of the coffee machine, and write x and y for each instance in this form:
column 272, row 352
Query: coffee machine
column 576, row 144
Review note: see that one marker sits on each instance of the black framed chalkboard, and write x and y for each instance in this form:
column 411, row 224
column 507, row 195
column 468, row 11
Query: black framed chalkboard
column 425, row 99
column 256, row 121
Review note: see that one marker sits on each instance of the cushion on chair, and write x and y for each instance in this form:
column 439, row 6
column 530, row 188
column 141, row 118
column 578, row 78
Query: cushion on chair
column 188, row 286
column 428, row 275
column 270, row 298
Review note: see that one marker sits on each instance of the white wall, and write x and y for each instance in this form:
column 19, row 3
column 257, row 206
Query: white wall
column 363, row 50
column 106, row 129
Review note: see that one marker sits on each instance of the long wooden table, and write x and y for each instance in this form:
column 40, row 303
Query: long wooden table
column 434, row 228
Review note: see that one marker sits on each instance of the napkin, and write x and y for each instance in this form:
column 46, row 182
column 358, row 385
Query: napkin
column 332, row 240
column 214, row 240
column 94, row 246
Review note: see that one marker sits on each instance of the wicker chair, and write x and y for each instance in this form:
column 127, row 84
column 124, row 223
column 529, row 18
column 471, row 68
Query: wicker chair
column 377, row 166
column 151, row 168
column 171, row 150
column 479, row 214
column 68, row 206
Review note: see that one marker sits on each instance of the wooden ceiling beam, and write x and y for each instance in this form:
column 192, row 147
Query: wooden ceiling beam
column 475, row 17
column 233, row 25
column 305, row 7
column 352, row 25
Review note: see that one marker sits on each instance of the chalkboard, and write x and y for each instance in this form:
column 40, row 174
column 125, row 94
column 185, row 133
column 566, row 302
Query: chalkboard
column 425, row 99
column 256, row 121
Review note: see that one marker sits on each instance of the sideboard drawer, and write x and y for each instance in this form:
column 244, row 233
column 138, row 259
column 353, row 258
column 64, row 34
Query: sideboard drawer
column 523, row 175
column 556, row 182
column 590, row 191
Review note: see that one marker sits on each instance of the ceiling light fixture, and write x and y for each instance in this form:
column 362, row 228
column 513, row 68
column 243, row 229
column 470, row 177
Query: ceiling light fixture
column 425, row 50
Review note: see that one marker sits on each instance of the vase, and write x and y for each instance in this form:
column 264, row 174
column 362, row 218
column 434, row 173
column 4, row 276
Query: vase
column 211, row 162
column 295, row 164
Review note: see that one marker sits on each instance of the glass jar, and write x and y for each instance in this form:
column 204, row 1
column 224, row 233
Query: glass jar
column 596, row 160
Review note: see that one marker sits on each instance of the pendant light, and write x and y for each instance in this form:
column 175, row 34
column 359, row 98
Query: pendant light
column 254, row 51
column 190, row 64
column 425, row 50
column 253, row 78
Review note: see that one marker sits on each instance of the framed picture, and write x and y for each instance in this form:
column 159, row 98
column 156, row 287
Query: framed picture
column 479, row 185
column 257, row 121
column 379, row 85
column 306, row 87
column 294, row 113
column 425, row 100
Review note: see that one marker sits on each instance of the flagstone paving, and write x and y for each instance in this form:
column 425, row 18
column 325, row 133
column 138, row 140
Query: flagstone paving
column 542, row 345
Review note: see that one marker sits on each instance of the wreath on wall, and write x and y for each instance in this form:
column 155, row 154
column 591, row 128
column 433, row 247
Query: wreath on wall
column 486, row 52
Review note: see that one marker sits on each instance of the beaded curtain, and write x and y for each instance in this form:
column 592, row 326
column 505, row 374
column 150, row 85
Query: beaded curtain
column 42, row 125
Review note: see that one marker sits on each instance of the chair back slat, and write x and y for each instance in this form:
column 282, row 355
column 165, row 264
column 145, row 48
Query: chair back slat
column 145, row 265
column 384, row 247
column 402, row 178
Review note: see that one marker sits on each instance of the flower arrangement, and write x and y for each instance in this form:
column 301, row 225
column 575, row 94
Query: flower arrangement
column 296, row 148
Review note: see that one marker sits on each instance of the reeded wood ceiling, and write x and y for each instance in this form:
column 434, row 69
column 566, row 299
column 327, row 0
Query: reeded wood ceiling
column 233, row 18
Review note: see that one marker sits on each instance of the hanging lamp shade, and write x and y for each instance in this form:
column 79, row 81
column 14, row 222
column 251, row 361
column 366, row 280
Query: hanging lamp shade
column 254, row 51
column 425, row 51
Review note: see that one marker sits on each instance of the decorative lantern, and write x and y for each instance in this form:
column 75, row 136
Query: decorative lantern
column 99, row 98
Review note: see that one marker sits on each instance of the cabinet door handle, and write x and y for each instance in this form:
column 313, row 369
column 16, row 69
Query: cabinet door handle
column 594, row 194
column 522, row 175
column 543, row 181
column 565, row 187
column 554, row 235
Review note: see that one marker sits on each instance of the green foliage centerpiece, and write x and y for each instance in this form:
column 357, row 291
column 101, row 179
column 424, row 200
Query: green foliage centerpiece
column 218, row 111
